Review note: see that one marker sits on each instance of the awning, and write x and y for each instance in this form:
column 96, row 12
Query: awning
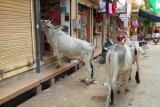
column 149, row 16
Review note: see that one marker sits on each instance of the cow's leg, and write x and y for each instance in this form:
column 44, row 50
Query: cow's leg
column 112, row 97
column 90, row 67
column 93, row 76
column 119, row 80
column 91, row 73
column 137, row 78
column 127, row 79
column 130, row 76
column 108, row 95
column 58, row 58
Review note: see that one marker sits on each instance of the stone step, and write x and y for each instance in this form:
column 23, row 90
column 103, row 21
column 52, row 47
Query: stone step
column 35, row 81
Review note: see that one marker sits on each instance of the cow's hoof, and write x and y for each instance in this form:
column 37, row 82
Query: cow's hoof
column 85, row 81
column 138, row 81
column 118, row 91
column 88, row 83
column 58, row 66
column 126, row 90
column 137, row 77
column 111, row 103
column 91, row 82
column 94, row 82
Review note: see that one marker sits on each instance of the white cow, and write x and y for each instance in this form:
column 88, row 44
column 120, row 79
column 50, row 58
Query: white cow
column 118, row 61
column 69, row 46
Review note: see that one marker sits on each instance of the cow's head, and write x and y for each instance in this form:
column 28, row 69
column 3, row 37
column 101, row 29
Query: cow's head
column 46, row 24
column 133, row 47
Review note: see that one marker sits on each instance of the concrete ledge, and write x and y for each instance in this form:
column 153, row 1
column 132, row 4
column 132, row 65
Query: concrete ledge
column 20, row 86
column 64, row 67
column 34, row 81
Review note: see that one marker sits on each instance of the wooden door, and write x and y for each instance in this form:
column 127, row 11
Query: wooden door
column 84, row 13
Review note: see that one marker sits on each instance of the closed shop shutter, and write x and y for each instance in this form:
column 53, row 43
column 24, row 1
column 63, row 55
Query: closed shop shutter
column 16, row 46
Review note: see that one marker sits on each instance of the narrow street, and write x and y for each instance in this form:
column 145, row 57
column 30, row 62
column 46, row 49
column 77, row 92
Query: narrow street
column 71, row 93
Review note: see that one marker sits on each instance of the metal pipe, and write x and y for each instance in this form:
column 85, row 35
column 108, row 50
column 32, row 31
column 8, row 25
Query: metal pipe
column 104, row 28
column 114, row 28
column 70, row 17
column 37, row 34
column 77, row 17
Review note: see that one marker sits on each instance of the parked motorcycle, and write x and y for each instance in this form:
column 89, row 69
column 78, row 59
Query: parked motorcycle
column 105, row 49
column 142, row 42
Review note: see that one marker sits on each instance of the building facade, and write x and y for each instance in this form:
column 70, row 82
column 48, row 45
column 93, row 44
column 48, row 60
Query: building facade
column 17, row 37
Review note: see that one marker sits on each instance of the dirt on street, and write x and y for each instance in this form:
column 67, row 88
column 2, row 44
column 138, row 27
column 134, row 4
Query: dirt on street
column 69, row 92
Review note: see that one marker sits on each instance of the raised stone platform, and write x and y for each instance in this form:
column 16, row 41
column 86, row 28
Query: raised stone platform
column 35, row 80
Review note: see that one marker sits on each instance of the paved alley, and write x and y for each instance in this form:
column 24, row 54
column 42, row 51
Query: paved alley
column 71, row 93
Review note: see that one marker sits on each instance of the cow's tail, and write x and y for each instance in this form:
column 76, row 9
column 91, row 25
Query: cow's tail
column 110, row 79
column 111, row 61
column 91, row 64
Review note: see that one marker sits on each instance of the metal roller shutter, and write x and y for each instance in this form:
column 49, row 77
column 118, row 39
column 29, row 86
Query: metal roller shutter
column 16, row 48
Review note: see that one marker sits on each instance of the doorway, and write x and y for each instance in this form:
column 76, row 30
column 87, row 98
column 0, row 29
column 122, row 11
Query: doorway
column 84, row 17
column 49, row 10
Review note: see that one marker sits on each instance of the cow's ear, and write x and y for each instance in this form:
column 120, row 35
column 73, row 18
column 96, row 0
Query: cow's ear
column 47, row 21
column 49, row 25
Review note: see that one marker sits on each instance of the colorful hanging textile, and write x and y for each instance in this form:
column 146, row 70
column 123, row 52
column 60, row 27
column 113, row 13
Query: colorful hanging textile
column 135, row 24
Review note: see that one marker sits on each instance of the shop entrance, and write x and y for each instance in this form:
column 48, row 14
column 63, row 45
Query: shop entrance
column 84, row 17
column 49, row 10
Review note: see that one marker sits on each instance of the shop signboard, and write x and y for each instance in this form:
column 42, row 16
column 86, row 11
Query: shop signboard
column 123, row 17
column 126, row 23
column 121, row 6
column 63, row 10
